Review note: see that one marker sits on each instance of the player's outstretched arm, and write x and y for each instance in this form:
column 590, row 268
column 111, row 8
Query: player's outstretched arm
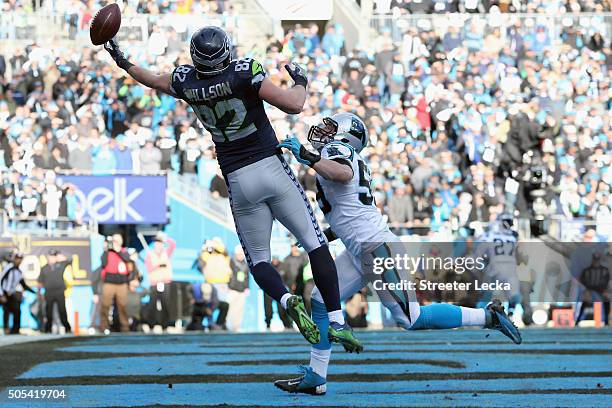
column 328, row 169
column 288, row 100
column 333, row 170
column 160, row 82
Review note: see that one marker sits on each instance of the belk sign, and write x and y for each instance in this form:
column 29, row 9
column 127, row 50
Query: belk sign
column 121, row 199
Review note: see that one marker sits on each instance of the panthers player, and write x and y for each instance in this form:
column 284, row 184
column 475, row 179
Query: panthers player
column 227, row 97
column 499, row 247
column 343, row 182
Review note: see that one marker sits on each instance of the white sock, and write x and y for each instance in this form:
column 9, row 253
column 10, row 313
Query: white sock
column 472, row 317
column 319, row 360
column 284, row 299
column 336, row 316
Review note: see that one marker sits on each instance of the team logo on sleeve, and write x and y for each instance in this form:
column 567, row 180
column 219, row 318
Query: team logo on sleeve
column 333, row 151
column 256, row 68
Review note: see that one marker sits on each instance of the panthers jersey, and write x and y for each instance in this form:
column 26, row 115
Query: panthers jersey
column 349, row 207
column 499, row 249
column 229, row 107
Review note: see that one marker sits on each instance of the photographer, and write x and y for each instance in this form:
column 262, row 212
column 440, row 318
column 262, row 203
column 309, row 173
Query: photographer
column 11, row 293
column 214, row 263
column 159, row 268
column 238, row 289
column 204, row 303
column 115, row 275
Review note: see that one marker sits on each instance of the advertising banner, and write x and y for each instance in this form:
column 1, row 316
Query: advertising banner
column 35, row 249
column 121, row 199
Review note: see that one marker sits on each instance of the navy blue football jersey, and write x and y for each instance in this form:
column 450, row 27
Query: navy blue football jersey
column 229, row 107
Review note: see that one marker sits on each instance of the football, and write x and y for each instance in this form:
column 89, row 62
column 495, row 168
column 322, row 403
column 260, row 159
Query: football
column 105, row 24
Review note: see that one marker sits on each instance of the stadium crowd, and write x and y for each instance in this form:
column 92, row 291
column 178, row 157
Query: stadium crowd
column 489, row 6
column 463, row 123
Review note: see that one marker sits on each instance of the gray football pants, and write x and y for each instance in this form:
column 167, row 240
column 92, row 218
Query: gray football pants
column 264, row 191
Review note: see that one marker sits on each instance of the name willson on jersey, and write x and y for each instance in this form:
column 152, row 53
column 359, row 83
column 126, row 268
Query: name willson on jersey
column 214, row 91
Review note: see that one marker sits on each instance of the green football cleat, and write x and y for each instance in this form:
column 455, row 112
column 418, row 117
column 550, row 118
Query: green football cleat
column 343, row 334
column 297, row 311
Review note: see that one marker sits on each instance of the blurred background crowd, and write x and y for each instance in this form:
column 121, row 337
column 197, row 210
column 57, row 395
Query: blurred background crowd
column 466, row 119
column 462, row 123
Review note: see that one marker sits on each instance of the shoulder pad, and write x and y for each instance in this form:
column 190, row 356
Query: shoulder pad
column 249, row 69
column 337, row 150
column 179, row 75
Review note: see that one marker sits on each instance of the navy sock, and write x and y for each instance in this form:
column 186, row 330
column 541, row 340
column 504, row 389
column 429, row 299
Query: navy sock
column 269, row 280
column 325, row 277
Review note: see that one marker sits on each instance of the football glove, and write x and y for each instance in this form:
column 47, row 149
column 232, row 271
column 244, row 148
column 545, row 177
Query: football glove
column 117, row 55
column 300, row 152
column 297, row 73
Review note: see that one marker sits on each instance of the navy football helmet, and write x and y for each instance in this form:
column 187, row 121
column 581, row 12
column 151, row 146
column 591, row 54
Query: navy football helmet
column 210, row 50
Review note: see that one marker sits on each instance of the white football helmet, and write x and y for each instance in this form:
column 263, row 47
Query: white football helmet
column 343, row 127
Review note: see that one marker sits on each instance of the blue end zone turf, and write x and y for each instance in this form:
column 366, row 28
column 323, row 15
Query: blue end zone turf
column 452, row 368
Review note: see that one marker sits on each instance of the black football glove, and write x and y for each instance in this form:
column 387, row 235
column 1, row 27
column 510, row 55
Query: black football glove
column 297, row 73
column 117, row 55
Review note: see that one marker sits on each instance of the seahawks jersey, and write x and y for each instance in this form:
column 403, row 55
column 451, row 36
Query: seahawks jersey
column 229, row 107
column 349, row 207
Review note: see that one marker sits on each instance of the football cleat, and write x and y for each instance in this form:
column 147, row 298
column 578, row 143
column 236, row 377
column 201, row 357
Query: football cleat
column 497, row 319
column 308, row 383
column 297, row 311
column 343, row 334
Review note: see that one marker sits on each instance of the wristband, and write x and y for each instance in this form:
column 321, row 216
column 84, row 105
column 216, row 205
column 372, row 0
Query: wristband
column 124, row 64
column 310, row 157
column 298, row 80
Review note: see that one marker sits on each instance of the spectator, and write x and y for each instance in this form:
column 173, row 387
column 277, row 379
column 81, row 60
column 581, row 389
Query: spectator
column 189, row 159
column 238, row 289
column 81, row 156
column 292, row 266
column 104, row 161
column 159, row 269
column 123, row 156
column 51, row 203
column 57, row 161
column 401, row 209
column 27, row 202
column 115, row 119
column 150, row 158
